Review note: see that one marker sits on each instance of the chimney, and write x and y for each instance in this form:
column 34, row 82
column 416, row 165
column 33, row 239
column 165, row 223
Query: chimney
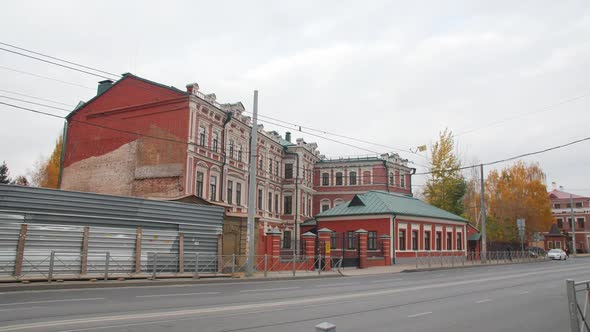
column 288, row 136
column 553, row 185
column 561, row 188
column 103, row 86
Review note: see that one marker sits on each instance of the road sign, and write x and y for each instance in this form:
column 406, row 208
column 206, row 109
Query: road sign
column 520, row 223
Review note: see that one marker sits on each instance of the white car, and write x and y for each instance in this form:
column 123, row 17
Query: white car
column 557, row 254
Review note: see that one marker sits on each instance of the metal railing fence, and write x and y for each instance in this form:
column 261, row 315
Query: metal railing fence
column 578, row 298
column 459, row 258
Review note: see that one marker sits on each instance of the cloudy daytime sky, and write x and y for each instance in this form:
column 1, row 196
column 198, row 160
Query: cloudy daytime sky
column 507, row 77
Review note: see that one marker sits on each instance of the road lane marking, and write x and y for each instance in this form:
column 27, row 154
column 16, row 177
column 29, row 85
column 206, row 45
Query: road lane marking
column 388, row 280
column 342, row 284
column 53, row 301
column 483, row 301
column 12, row 309
column 183, row 294
column 523, row 293
column 420, row 314
column 267, row 289
column 260, row 305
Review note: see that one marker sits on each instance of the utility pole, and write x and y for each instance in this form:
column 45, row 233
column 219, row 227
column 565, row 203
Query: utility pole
column 484, row 247
column 573, row 225
column 252, row 188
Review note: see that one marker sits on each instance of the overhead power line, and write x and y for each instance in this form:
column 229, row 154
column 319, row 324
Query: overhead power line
column 38, row 104
column 47, row 78
column 37, row 98
column 55, row 63
column 58, row 59
column 189, row 143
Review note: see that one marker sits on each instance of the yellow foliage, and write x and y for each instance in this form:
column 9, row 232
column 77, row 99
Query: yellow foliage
column 47, row 173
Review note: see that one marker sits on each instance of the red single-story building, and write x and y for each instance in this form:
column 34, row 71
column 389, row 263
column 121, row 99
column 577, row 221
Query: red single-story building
column 411, row 227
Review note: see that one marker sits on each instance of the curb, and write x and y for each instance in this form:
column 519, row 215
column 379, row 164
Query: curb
column 33, row 286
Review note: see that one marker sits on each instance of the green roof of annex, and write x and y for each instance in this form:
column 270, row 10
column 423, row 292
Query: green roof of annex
column 381, row 202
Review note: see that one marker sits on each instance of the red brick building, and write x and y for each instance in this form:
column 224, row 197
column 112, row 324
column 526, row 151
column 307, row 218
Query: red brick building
column 561, row 210
column 415, row 227
column 140, row 138
column 338, row 180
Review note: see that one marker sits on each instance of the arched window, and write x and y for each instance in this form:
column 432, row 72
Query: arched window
column 338, row 201
column 352, row 178
column 339, row 178
column 391, row 179
column 325, row 205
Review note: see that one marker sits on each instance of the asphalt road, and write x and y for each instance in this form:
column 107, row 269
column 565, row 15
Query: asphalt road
column 520, row 297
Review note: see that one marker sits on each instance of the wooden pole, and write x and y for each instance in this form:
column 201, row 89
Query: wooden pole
column 20, row 250
column 138, row 235
column 180, row 252
column 84, row 255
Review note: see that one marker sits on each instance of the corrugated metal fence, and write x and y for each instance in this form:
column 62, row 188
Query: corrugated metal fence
column 76, row 234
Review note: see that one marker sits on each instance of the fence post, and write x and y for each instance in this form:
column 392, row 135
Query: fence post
column 20, row 251
column 220, row 253
column 84, row 253
column 294, row 262
column 572, row 304
column 196, row 266
column 233, row 263
column 265, row 265
column 416, row 257
column 429, row 256
column 51, row 262
column 106, row 265
column 320, row 264
column 181, row 253
column 155, row 268
column 138, row 236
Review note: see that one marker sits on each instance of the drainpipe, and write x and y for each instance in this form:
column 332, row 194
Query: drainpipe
column 228, row 118
column 63, row 153
column 386, row 175
column 394, row 238
column 295, row 226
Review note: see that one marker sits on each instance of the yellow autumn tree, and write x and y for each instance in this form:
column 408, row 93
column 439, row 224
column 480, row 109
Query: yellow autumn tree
column 517, row 191
column 47, row 172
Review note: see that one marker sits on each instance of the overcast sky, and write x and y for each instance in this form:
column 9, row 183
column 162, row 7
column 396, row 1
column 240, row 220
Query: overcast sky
column 508, row 77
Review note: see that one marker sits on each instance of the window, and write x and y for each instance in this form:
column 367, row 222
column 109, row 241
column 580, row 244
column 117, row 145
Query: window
column 580, row 222
column 557, row 206
column 333, row 238
column 350, row 240
column 202, row 136
column 391, row 179
column 240, row 152
column 260, row 162
column 269, row 202
column 338, row 201
column 558, row 244
column 230, row 192
column 402, row 239
column 426, row 240
column 402, row 181
column 213, row 188
column 578, row 204
column 459, row 241
column 277, row 168
column 449, row 241
column 339, row 178
column 231, row 148
column 215, row 140
column 287, row 240
column 309, row 205
column 352, row 178
column 238, row 194
column 568, row 206
column 325, row 179
column 414, row 240
column 199, row 184
column 325, row 207
column 438, row 241
column 304, row 207
column 260, row 199
column 270, row 166
column 277, row 203
column 372, row 241
column 367, row 177
column 550, row 244
column 288, row 171
column 559, row 222
column 288, row 205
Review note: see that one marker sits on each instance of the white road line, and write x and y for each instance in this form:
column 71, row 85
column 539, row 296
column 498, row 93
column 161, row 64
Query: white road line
column 271, row 304
column 12, row 309
column 420, row 314
column 335, row 285
column 388, row 280
column 522, row 293
column 183, row 294
column 267, row 289
column 483, row 301
column 52, row 301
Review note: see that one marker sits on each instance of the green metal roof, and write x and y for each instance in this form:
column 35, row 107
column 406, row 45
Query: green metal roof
column 381, row 202
column 474, row 237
